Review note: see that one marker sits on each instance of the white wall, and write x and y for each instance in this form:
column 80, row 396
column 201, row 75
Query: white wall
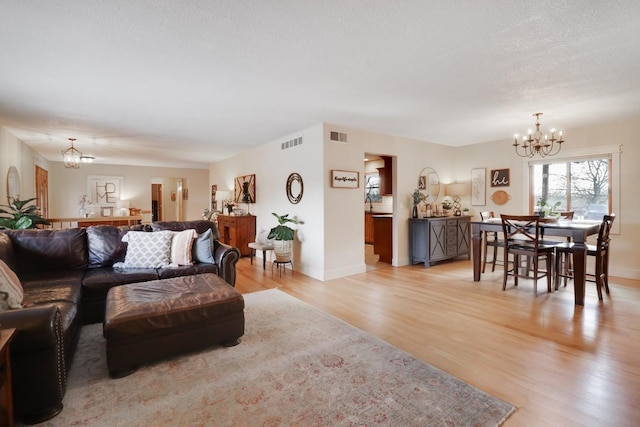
column 272, row 166
column 15, row 153
column 67, row 185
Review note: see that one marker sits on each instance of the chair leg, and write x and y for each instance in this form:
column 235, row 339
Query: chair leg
column 599, row 277
column 495, row 255
column 506, row 272
column 605, row 268
column 251, row 255
column 549, row 271
column 484, row 248
column 516, row 269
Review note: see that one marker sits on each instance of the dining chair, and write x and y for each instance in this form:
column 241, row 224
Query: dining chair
column 600, row 251
column 522, row 238
column 490, row 239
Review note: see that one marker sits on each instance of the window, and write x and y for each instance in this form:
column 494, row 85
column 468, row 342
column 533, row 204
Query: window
column 586, row 181
column 582, row 186
column 372, row 188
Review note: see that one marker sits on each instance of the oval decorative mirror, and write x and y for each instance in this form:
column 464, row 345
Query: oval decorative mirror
column 13, row 183
column 429, row 184
column 295, row 188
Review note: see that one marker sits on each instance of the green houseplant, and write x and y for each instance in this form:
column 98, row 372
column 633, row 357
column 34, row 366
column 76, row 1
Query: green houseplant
column 20, row 214
column 282, row 236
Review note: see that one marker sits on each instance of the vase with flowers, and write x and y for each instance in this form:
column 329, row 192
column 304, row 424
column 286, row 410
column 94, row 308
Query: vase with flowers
column 230, row 205
column 416, row 198
column 84, row 199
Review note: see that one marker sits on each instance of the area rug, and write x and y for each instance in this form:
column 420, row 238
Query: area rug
column 295, row 366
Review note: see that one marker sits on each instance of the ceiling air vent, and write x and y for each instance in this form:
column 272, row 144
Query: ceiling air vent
column 339, row 137
column 291, row 143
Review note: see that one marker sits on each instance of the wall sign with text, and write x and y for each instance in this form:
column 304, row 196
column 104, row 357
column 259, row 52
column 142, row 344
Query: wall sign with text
column 345, row 179
column 500, row 178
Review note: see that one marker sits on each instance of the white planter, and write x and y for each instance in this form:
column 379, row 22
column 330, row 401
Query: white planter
column 283, row 250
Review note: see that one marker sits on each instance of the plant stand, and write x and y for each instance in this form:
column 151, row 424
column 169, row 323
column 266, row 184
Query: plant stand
column 282, row 265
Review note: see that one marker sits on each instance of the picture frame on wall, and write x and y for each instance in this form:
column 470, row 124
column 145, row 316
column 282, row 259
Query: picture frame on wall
column 478, row 187
column 345, row 179
column 244, row 189
column 500, row 178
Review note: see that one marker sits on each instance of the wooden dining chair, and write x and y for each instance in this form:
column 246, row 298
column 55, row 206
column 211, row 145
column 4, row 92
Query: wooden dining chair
column 490, row 239
column 522, row 238
column 600, row 251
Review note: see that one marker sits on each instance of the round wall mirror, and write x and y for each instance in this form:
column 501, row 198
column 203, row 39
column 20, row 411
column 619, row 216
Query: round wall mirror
column 13, row 183
column 429, row 184
column 295, row 188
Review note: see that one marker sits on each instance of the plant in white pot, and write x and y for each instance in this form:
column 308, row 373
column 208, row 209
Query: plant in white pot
column 283, row 237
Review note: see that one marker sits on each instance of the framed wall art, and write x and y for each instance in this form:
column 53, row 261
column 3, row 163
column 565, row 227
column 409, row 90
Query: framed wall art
column 478, row 187
column 244, row 189
column 500, row 178
column 105, row 190
column 345, row 179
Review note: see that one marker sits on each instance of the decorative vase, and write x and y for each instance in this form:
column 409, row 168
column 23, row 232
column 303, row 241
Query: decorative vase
column 229, row 209
column 415, row 211
column 82, row 213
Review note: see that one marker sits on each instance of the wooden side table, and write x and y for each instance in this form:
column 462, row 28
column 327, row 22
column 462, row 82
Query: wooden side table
column 6, row 397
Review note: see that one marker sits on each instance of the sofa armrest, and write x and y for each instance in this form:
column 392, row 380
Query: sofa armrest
column 37, row 327
column 37, row 362
column 226, row 258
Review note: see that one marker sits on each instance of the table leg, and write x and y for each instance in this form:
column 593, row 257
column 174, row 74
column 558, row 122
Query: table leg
column 579, row 254
column 264, row 260
column 476, row 240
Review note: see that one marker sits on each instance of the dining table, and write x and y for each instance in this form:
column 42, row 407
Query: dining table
column 577, row 230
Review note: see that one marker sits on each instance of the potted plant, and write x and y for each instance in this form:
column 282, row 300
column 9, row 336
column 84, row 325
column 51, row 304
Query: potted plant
column 19, row 214
column 544, row 209
column 416, row 198
column 283, row 237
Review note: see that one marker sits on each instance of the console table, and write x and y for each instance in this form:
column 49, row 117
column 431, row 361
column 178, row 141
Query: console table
column 238, row 231
column 437, row 239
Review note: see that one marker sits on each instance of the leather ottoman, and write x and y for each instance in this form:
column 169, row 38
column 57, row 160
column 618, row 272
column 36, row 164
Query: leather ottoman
column 149, row 321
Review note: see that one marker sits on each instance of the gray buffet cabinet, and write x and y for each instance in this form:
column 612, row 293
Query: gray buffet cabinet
column 439, row 238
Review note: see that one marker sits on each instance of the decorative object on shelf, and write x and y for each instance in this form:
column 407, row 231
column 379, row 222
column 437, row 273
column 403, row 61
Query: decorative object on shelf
column 106, row 211
column 456, row 190
column 84, row 199
column 447, row 205
column 500, row 197
column 536, row 143
column 19, row 215
column 345, row 179
column 478, row 187
column 242, row 195
column 283, row 237
column 416, row 198
column 71, row 156
column 231, row 205
column 295, row 188
column 465, row 212
column 500, row 178
column 224, row 197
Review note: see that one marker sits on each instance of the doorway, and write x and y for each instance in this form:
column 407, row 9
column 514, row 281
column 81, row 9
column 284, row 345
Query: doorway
column 42, row 191
column 379, row 178
column 156, row 202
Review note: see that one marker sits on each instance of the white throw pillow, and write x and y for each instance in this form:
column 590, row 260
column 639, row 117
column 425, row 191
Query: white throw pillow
column 11, row 292
column 147, row 249
column 181, row 245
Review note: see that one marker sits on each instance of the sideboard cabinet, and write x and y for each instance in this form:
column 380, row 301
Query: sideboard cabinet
column 237, row 231
column 437, row 239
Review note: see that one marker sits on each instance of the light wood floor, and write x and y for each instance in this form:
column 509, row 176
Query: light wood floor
column 558, row 363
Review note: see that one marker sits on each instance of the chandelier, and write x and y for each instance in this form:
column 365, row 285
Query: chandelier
column 536, row 143
column 71, row 156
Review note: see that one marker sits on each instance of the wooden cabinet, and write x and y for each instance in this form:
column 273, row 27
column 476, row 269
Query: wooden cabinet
column 368, row 228
column 383, row 237
column 237, row 231
column 437, row 239
column 6, row 399
column 386, row 177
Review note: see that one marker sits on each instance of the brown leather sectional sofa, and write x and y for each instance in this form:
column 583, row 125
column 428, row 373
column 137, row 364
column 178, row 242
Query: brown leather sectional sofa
column 66, row 275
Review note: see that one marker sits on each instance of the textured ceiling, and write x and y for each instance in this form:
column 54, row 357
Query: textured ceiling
column 184, row 83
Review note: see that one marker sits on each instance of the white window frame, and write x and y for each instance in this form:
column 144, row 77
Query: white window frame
column 606, row 150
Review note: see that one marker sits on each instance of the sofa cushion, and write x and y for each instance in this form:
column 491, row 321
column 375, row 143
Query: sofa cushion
column 203, row 248
column 11, row 292
column 181, row 244
column 98, row 281
column 105, row 245
column 147, row 250
column 49, row 250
